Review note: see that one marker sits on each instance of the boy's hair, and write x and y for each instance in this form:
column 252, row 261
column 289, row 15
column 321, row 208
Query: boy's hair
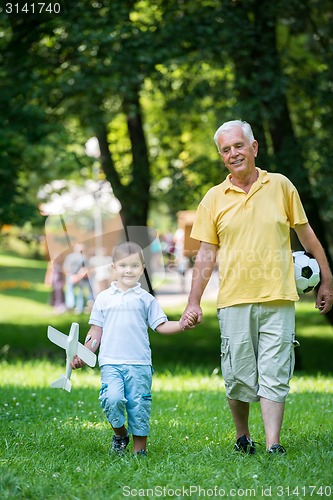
column 126, row 249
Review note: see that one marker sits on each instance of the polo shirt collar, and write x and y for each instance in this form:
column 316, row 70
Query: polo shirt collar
column 115, row 289
column 262, row 179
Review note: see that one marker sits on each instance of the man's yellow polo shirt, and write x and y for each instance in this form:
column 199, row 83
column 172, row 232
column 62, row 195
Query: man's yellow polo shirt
column 252, row 231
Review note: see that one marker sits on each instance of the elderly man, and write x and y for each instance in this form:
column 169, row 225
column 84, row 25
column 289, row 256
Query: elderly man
column 247, row 220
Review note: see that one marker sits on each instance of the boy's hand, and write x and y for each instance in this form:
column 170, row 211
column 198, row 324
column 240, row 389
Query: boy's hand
column 77, row 362
column 188, row 320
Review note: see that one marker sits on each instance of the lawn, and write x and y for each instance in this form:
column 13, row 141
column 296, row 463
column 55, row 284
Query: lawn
column 54, row 445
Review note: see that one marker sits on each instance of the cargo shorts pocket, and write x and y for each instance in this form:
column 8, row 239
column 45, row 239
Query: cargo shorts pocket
column 146, row 405
column 295, row 344
column 103, row 395
column 226, row 363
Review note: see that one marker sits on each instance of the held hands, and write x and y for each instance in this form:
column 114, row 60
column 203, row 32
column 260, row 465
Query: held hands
column 188, row 321
column 191, row 317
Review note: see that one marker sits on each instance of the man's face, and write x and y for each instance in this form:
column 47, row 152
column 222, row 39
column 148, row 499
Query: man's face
column 237, row 152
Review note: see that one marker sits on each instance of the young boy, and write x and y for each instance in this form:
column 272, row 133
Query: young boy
column 119, row 325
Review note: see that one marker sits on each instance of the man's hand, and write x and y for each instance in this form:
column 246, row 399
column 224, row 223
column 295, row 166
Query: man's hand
column 324, row 299
column 188, row 320
column 191, row 317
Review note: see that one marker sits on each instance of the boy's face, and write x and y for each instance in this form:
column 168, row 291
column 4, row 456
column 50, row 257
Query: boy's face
column 128, row 271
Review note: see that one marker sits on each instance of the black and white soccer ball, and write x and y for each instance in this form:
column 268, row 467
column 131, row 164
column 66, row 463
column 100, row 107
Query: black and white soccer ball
column 307, row 271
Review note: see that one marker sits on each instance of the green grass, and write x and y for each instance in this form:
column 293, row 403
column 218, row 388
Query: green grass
column 54, row 445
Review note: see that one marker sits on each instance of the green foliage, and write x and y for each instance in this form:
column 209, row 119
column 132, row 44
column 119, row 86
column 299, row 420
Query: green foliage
column 153, row 80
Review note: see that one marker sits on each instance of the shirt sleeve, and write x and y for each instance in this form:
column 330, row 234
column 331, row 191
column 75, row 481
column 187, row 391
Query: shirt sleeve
column 156, row 315
column 204, row 227
column 297, row 213
column 96, row 315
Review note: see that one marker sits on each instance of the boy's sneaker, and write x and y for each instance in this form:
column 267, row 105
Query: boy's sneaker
column 119, row 444
column 141, row 453
column 245, row 445
column 277, row 448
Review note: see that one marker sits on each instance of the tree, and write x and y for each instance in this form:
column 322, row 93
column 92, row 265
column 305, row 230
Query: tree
column 32, row 140
column 262, row 85
column 261, row 82
column 153, row 82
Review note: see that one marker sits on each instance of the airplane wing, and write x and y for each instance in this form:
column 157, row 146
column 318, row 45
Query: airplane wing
column 86, row 355
column 57, row 337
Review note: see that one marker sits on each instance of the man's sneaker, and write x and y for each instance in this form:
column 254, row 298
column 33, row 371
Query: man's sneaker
column 245, row 445
column 277, row 448
column 119, row 444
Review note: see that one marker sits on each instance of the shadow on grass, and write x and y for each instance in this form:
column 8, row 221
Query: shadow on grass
column 193, row 348
column 30, row 293
column 29, row 274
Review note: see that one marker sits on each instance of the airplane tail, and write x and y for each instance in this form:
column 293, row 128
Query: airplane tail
column 62, row 383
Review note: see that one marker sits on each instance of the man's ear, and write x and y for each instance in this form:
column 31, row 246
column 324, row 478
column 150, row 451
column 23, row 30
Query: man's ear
column 255, row 147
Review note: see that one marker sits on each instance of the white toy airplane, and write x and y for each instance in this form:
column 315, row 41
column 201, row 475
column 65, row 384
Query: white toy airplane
column 72, row 346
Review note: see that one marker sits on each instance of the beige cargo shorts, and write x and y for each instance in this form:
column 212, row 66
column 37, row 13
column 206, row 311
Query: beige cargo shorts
column 257, row 350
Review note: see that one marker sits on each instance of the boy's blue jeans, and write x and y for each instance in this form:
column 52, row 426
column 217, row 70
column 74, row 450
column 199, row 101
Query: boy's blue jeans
column 127, row 388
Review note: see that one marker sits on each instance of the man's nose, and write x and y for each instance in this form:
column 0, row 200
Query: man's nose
column 233, row 151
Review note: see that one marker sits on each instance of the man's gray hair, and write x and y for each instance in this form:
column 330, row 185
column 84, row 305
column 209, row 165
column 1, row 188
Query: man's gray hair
column 246, row 127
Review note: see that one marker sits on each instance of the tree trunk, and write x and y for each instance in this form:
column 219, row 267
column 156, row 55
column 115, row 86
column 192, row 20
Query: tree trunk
column 134, row 197
column 137, row 194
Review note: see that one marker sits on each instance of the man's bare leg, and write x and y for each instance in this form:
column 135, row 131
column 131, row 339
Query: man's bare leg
column 240, row 414
column 272, row 415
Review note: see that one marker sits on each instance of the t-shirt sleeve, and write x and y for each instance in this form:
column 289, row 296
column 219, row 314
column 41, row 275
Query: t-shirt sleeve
column 96, row 315
column 297, row 213
column 156, row 315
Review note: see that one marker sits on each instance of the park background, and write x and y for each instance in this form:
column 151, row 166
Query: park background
column 152, row 81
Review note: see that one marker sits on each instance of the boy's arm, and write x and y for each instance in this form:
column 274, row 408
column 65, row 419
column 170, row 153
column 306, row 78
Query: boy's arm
column 172, row 327
column 93, row 339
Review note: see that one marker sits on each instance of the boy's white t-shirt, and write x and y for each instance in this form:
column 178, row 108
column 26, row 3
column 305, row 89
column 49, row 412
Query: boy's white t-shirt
column 124, row 317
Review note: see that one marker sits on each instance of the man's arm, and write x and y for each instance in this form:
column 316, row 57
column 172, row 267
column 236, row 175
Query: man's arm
column 312, row 245
column 202, row 270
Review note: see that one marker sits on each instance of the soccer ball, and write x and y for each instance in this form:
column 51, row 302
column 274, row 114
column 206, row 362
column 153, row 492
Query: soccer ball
column 307, row 271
